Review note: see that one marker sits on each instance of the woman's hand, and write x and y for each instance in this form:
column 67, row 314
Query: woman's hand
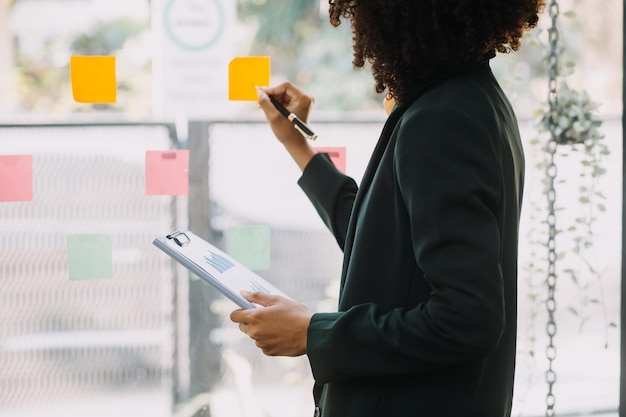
column 279, row 328
column 299, row 104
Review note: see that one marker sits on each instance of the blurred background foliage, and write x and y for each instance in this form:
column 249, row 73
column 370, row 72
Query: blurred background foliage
column 308, row 51
column 45, row 83
column 304, row 48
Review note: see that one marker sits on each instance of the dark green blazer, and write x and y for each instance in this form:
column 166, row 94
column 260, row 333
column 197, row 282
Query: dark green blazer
column 426, row 324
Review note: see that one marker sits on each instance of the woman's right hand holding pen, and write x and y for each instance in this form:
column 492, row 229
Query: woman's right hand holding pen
column 296, row 102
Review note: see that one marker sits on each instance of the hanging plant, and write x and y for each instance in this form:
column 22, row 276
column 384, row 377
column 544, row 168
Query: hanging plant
column 577, row 130
column 576, row 119
column 568, row 126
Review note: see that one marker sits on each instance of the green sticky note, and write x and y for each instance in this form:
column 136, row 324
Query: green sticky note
column 90, row 256
column 249, row 245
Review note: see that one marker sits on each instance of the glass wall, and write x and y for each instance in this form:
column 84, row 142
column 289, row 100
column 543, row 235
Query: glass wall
column 129, row 332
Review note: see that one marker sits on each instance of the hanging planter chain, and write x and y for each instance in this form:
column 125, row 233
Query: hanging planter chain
column 551, row 172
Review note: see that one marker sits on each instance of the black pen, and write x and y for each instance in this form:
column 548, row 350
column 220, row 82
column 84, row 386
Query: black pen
column 297, row 123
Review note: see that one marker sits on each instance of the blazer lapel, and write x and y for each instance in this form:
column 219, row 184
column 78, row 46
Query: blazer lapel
column 372, row 166
column 366, row 181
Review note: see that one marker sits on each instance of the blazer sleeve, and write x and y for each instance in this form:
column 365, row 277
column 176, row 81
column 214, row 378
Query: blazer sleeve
column 448, row 174
column 331, row 193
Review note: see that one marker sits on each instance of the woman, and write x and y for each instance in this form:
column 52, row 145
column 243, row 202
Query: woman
column 426, row 324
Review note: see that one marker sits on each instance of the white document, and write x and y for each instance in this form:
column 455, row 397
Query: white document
column 214, row 267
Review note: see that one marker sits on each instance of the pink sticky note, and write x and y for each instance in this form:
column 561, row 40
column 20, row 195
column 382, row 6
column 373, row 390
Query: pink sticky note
column 16, row 178
column 167, row 172
column 337, row 155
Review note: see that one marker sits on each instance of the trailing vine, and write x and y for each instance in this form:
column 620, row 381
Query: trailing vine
column 569, row 131
column 578, row 131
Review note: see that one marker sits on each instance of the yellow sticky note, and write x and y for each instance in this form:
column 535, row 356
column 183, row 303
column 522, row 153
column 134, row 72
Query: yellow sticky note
column 246, row 72
column 93, row 79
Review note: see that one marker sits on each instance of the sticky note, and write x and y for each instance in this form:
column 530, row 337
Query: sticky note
column 93, row 79
column 249, row 245
column 90, row 256
column 167, row 172
column 337, row 156
column 246, row 72
column 16, row 178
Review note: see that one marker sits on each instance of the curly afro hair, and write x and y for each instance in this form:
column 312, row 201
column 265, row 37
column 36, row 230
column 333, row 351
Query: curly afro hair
column 409, row 41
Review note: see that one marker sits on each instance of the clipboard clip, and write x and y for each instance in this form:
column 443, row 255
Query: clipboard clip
column 180, row 238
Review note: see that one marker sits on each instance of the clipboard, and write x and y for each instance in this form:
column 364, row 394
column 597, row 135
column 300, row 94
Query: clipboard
column 214, row 267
